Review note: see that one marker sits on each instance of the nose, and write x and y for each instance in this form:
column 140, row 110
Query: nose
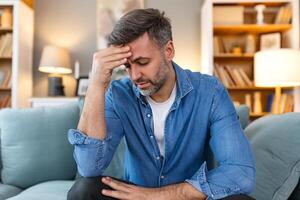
column 135, row 73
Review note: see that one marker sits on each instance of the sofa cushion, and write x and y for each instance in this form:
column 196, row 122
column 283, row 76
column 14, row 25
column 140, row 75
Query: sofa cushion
column 50, row 190
column 7, row 191
column 243, row 113
column 275, row 142
column 34, row 144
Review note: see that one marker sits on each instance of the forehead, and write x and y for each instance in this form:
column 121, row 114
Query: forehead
column 143, row 47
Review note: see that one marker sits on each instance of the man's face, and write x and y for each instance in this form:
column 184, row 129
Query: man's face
column 149, row 67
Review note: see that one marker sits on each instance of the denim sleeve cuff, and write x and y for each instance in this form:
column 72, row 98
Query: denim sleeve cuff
column 88, row 153
column 76, row 137
column 199, row 181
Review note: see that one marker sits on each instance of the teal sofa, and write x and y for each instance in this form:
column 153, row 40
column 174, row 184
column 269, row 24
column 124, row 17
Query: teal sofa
column 36, row 159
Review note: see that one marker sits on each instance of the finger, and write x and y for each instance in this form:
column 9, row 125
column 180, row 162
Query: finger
column 117, row 185
column 115, row 64
column 114, row 50
column 116, row 57
column 115, row 194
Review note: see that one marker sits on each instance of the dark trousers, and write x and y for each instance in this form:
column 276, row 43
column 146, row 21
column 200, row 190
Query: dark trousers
column 90, row 189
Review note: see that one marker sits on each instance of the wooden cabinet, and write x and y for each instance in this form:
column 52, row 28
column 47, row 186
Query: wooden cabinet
column 16, row 41
column 230, row 38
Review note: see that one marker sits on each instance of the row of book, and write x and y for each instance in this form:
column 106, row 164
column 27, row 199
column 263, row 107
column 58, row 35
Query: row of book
column 232, row 76
column 253, row 101
column 5, row 101
column 6, row 45
column 5, row 79
column 284, row 15
column 284, row 105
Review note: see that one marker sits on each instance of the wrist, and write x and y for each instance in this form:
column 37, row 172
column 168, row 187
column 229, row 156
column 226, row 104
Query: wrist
column 190, row 192
column 97, row 87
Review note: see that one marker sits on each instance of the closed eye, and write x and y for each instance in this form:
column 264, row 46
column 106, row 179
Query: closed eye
column 142, row 63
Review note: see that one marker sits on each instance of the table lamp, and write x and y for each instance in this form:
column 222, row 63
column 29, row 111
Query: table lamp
column 56, row 61
column 277, row 68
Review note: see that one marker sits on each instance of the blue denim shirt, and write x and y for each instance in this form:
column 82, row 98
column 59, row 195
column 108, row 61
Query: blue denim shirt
column 202, row 118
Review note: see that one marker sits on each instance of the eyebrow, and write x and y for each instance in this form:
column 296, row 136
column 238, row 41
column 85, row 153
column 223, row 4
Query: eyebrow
column 139, row 58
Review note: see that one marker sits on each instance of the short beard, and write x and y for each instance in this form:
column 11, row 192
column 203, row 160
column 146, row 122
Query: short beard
column 159, row 82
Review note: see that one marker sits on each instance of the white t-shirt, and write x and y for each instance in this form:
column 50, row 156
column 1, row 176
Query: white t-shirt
column 160, row 112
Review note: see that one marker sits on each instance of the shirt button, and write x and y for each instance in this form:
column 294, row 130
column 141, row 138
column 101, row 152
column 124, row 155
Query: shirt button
column 151, row 136
column 148, row 115
column 162, row 177
column 157, row 157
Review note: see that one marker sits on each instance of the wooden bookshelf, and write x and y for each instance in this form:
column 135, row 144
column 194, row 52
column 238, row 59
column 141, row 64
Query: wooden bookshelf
column 5, row 89
column 254, row 116
column 251, row 28
column 231, row 55
column 255, row 88
column 267, row 3
column 5, row 58
column 259, row 114
column 5, row 30
column 231, row 46
column 15, row 54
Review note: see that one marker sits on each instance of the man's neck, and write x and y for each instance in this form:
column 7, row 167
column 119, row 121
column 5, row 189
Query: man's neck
column 165, row 91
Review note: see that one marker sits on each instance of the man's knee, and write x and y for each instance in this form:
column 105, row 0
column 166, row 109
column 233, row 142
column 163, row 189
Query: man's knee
column 239, row 197
column 85, row 189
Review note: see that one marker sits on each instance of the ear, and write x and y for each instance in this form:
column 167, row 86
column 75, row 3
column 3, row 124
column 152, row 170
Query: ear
column 169, row 51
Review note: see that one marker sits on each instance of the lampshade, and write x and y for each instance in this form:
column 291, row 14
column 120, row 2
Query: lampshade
column 279, row 67
column 55, row 60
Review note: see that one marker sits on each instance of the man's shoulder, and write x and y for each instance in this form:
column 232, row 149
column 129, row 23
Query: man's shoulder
column 121, row 88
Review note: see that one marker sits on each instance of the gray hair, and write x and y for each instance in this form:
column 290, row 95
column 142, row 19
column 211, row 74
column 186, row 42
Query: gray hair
column 137, row 22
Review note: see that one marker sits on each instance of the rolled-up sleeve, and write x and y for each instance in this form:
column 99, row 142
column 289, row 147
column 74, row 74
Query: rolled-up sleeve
column 94, row 155
column 235, row 173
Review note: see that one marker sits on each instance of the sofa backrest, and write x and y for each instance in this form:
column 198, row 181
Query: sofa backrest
column 34, row 145
column 275, row 141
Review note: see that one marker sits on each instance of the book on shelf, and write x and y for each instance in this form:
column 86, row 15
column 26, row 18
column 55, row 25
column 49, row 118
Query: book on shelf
column 248, row 102
column 238, row 78
column 5, row 101
column 6, row 45
column 285, row 104
column 5, row 78
column 284, row 15
column 232, row 76
column 218, row 45
column 289, row 106
column 245, row 77
column 257, row 104
column 222, row 76
column 270, row 99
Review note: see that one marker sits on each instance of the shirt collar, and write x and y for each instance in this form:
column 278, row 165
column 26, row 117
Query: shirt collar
column 183, row 82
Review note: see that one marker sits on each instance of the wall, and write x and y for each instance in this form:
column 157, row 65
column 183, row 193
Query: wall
column 67, row 23
column 72, row 24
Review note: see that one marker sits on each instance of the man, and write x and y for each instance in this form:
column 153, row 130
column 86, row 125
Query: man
column 170, row 117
